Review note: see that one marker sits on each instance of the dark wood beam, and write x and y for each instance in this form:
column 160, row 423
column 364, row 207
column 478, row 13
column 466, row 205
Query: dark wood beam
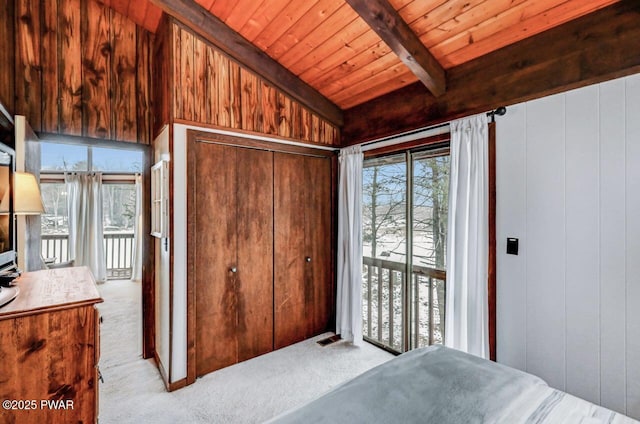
column 233, row 44
column 597, row 47
column 396, row 33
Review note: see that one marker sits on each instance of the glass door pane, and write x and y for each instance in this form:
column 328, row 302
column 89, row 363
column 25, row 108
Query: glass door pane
column 118, row 216
column 384, row 250
column 54, row 222
column 429, row 232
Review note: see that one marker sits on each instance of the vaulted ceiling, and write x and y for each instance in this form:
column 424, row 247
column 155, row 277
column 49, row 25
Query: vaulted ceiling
column 352, row 51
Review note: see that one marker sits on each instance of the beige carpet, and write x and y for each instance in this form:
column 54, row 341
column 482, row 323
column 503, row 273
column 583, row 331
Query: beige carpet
column 249, row 392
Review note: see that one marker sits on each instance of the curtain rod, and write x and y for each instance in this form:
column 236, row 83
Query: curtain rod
column 500, row 111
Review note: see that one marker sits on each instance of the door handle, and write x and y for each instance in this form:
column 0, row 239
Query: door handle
column 233, row 269
column 308, row 259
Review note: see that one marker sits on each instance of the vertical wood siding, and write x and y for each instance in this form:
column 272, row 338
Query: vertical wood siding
column 209, row 88
column 568, row 186
column 82, row 69
column 70, row 76
column 28, row 93
column 7, row 51
column 160, row 83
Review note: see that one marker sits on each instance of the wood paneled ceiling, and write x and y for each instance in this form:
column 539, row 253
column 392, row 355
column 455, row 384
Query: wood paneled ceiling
column 328, row 45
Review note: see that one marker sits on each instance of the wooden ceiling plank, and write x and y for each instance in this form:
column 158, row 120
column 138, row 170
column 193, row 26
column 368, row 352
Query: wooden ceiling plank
column 495, row 23
column 395, row 77
column 237, row 47
column 511, row 26
column 307, row 23
column 443, row 13
column 207, row 4
column 378, row 90
column 331, row 27
column 240, row 16
column 476, row 14
column 261, row 18
column 223, row 9
column 466, row 20
column 382, row 64
column 288, row 17
column 535, row 25
column 412, row 10
column 388, row 24
column 591, row 49
column 137, row 11
column 331, row 47
column 363, row 65
column 356, row 53
column 152, row 18
column 359, row 88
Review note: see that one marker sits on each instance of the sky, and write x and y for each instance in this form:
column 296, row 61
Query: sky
column 55, row 155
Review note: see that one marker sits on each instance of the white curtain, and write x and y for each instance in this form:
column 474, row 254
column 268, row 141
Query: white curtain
column 136, row 272
column 84, row 199
column 349, row 296
column 466, row 323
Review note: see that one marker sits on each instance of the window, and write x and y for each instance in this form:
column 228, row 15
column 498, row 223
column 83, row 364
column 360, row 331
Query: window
column 405, row 202
column 116, row 160
column 60, row 157
column 119, row 167
column 118, row 207
column 54, row 221
column 63, row 157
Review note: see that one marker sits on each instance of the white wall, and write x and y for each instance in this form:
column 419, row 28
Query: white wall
column 568, row 186
column 162, row 269
column 179, row 342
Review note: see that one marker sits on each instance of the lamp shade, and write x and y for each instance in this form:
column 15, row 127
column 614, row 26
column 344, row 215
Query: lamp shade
column 27, row 199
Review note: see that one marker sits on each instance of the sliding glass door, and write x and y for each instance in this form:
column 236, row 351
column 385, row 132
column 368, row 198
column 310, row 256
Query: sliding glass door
column 405, row 199
column 384, row 237
column 430, row 185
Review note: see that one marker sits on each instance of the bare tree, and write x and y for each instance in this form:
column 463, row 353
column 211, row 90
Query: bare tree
column 431, row 199
column 384, row 199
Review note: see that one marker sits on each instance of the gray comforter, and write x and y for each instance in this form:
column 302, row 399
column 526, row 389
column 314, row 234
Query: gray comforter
column 441, row 385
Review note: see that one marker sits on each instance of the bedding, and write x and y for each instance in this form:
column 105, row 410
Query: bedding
column 441, row 385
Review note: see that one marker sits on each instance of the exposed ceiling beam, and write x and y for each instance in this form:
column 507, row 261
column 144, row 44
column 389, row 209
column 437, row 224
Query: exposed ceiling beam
column 219, row 34
column 396, row 33
column 597, row 47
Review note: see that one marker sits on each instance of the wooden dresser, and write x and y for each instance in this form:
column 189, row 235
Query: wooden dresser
column 49, row 349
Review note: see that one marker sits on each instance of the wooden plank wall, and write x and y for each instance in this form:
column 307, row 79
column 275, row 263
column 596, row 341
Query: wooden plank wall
column 160, row 84
column 209, row 88
column 7, row 48
column 82, row 69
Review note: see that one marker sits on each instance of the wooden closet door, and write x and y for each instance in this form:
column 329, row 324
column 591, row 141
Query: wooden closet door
column 215, row 249
column 233, row 262
column 318, row 236
column 291, row 294
column 255, row 252
column 303, row 288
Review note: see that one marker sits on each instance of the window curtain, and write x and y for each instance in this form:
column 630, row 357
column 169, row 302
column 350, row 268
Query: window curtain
column 466, row 322
column 136, row 272
column 86, row 238
column 349, row 296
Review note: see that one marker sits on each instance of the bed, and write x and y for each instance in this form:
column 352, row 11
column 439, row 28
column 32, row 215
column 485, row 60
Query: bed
column 441, row 385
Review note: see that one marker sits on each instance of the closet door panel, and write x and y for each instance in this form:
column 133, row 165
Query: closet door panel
column 291, row 294
column 215, row 203
column 255, row 252
column 318, row 231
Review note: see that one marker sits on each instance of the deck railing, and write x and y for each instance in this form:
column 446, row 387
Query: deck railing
column 118, row 251
column 390, row 316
